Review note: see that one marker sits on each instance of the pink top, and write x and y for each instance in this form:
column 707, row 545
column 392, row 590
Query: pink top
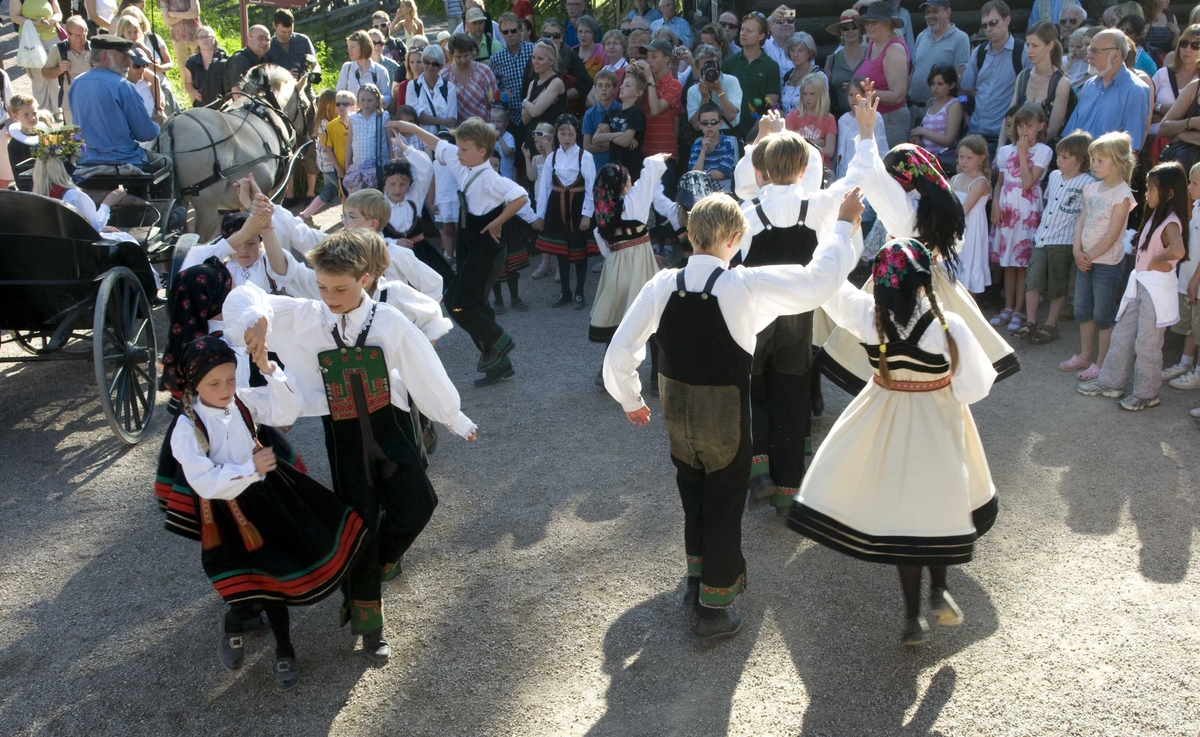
column 935, row 122
column 812, row 128
column 1157, row 243
column 873, row 69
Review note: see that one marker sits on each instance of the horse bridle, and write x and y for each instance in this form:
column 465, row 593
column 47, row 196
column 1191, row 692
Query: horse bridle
column 261, row 106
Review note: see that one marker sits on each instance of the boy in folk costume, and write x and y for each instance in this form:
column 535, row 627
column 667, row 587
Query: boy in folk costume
column 486, row 202
column 270, row 536
column 406, row 184
column 355, row 363
column 785, row 220
column 243, row 248
column 705, row 319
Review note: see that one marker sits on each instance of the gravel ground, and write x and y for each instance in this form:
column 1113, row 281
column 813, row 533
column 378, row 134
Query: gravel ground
column 543, row 599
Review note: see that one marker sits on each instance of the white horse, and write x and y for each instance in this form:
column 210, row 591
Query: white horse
column 251, row 135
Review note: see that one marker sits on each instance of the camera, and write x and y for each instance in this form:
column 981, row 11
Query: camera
column 709, row 72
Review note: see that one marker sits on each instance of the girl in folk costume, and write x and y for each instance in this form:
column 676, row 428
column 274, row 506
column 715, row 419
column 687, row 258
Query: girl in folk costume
column 519, row 236
column 622, row 210
column 564, row 202
column 913, row 199
column 867, row 495
column 406, row 184
column 241, row 248
column 270, row 536
column 693, row 187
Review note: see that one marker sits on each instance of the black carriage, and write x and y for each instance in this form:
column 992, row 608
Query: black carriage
column 67, row 294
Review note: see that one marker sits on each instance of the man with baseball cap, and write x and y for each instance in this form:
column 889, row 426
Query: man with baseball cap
column 110, row 111
column 477, row 26
column 941, row 43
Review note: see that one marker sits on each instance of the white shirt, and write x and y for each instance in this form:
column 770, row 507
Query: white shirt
column 488, row 190
column 422, row 179
column 228, row 467
column 567, row 164
column 1188, row 268
column 424, row 312
column 431, row 101
column 749, row 298
column 783, row 204
column 407, row 268
column 85, row 206
column 848, row 134
column 352, row 77
column 733, row 93
column 779, row 55
column 302, row 328
column 292, row 233
column 257, row 273
column 637, row 201
column 973, row 374
column 896, row 208
column 746, row 187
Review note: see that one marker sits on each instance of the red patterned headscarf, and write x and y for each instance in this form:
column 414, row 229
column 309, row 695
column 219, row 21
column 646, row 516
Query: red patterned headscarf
column 198, row 297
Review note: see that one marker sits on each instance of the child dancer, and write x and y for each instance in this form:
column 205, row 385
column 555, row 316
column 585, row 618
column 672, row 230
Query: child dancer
column 270, row 536
column 332, row 128
column 940, row 127
column 488, row 200
column 243, row 250
column 704, row 319
column 1050, row 263
column 1184, row 375
column 373, row 449
column 519, row 235
column 812, row 119
column 505, row 143
column 1017, row 210
column 406, row 184
column 367, row 144
column 622, row 210
column 564, row 204
column 1098, row 252
column 446, row 186
column 912, row 198
column 972, row 185
column 543, row 145
column 1149, row 304
column 905, row 509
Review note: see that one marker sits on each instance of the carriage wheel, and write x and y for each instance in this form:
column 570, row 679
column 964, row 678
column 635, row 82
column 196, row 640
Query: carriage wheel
column 124, row 350
column 31, row 343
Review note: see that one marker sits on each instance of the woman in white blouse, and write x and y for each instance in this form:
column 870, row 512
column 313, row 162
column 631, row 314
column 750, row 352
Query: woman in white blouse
column 361, row 69
column 50, row 179
column 434, row 98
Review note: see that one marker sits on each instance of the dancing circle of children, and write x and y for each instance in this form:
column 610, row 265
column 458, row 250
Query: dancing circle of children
column 1149, row 305
column 912, row 198
column 492, row 201
column 568, row 180
column 1099, row 252
column 786, row 221
column 270, row 536
column 1017, row 208
column 705, row 318
column 355, row 363
column 901, row 509
column 1050, row 263
column 972, row 185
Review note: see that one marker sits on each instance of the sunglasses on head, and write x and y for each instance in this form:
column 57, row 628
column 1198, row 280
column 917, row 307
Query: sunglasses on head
column 551, row 36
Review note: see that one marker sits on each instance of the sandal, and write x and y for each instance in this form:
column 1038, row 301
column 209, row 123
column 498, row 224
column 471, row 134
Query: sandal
column 1025, row 330
column 1016, row 322
column 1002, row 318
column 1074, row 363
column 1045, row 334
column 1091, row 373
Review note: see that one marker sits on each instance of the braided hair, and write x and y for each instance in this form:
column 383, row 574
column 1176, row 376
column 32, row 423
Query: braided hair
column 902, row 273
column 940, row 221
column 612, row 182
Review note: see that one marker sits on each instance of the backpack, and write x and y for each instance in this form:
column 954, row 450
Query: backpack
column 1018, row 56
column 1052, row 90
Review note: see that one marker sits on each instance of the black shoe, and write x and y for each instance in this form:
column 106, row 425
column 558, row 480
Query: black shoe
column 563, row 299
column 519, row 305
column 579, row 305
column 376, row 647
column 256, row 625
column 494, row 355
column 290, row 202
column 496, row 376
column 229, row 648
column 725, row 625
column 499, row 309
column 286, row 674
column 760, row 491
column 915, row 631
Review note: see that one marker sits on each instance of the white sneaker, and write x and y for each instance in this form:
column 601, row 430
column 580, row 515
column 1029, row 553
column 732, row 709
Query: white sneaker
column 1177, row 370
column 1190, row 380
column 1194, row 412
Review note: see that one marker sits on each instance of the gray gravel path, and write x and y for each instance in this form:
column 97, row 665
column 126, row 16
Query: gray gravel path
column 543, row 597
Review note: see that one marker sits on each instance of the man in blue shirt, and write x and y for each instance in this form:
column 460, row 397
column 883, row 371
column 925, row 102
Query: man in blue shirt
column 992, row 85
column 642, row 8
column 680, row 27
column 109, row 109
column 575, row 9
column 1115, row 99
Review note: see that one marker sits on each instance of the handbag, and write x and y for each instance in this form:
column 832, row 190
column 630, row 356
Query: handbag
column 361, row 176
column 31, row 54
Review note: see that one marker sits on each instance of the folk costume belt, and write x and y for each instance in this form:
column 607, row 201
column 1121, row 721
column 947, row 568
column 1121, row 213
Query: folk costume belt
column 915, row 386
column 641, row 240
column 566, row 200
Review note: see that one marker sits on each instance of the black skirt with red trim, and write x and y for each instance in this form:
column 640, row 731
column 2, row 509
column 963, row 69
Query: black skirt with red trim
column 310, row 540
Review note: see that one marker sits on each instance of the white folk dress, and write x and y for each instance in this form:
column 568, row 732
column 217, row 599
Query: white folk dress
column 902, row 477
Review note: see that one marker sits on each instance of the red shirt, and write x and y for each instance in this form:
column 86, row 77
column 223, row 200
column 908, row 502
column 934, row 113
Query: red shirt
column 523, row 9
column 660, row 129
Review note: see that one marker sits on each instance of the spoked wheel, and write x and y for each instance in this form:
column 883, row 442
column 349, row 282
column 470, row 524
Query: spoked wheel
column 124, row 350
column 31, row 343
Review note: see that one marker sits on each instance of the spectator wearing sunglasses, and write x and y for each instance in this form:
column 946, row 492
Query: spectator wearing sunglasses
column 782, row 28
column 732, row 27
column 993, row 82
column 508, row 64
column 567, row 65
column 1172, row 78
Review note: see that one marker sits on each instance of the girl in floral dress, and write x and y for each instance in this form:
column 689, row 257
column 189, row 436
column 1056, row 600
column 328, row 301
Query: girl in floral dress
column 1017, row 209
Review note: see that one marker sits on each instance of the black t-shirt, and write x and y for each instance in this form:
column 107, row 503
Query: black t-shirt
column 238, row 64
column 620, row 120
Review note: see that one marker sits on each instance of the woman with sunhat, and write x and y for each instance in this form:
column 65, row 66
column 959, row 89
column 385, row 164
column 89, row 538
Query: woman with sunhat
column 886, row 64
column 842, row 65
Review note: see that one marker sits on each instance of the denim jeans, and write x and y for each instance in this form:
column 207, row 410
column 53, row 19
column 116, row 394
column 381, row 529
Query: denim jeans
column 1096, row 294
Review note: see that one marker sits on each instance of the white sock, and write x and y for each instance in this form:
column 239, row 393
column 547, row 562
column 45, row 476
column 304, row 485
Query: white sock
column 1188, row 360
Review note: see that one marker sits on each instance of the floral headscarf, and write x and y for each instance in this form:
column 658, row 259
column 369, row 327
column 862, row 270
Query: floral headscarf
column 693, row 187
column 201, row 356
column 611, row 182
column 901, row 268
column 199, row 296
column 908, row 162
column 939, row 221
